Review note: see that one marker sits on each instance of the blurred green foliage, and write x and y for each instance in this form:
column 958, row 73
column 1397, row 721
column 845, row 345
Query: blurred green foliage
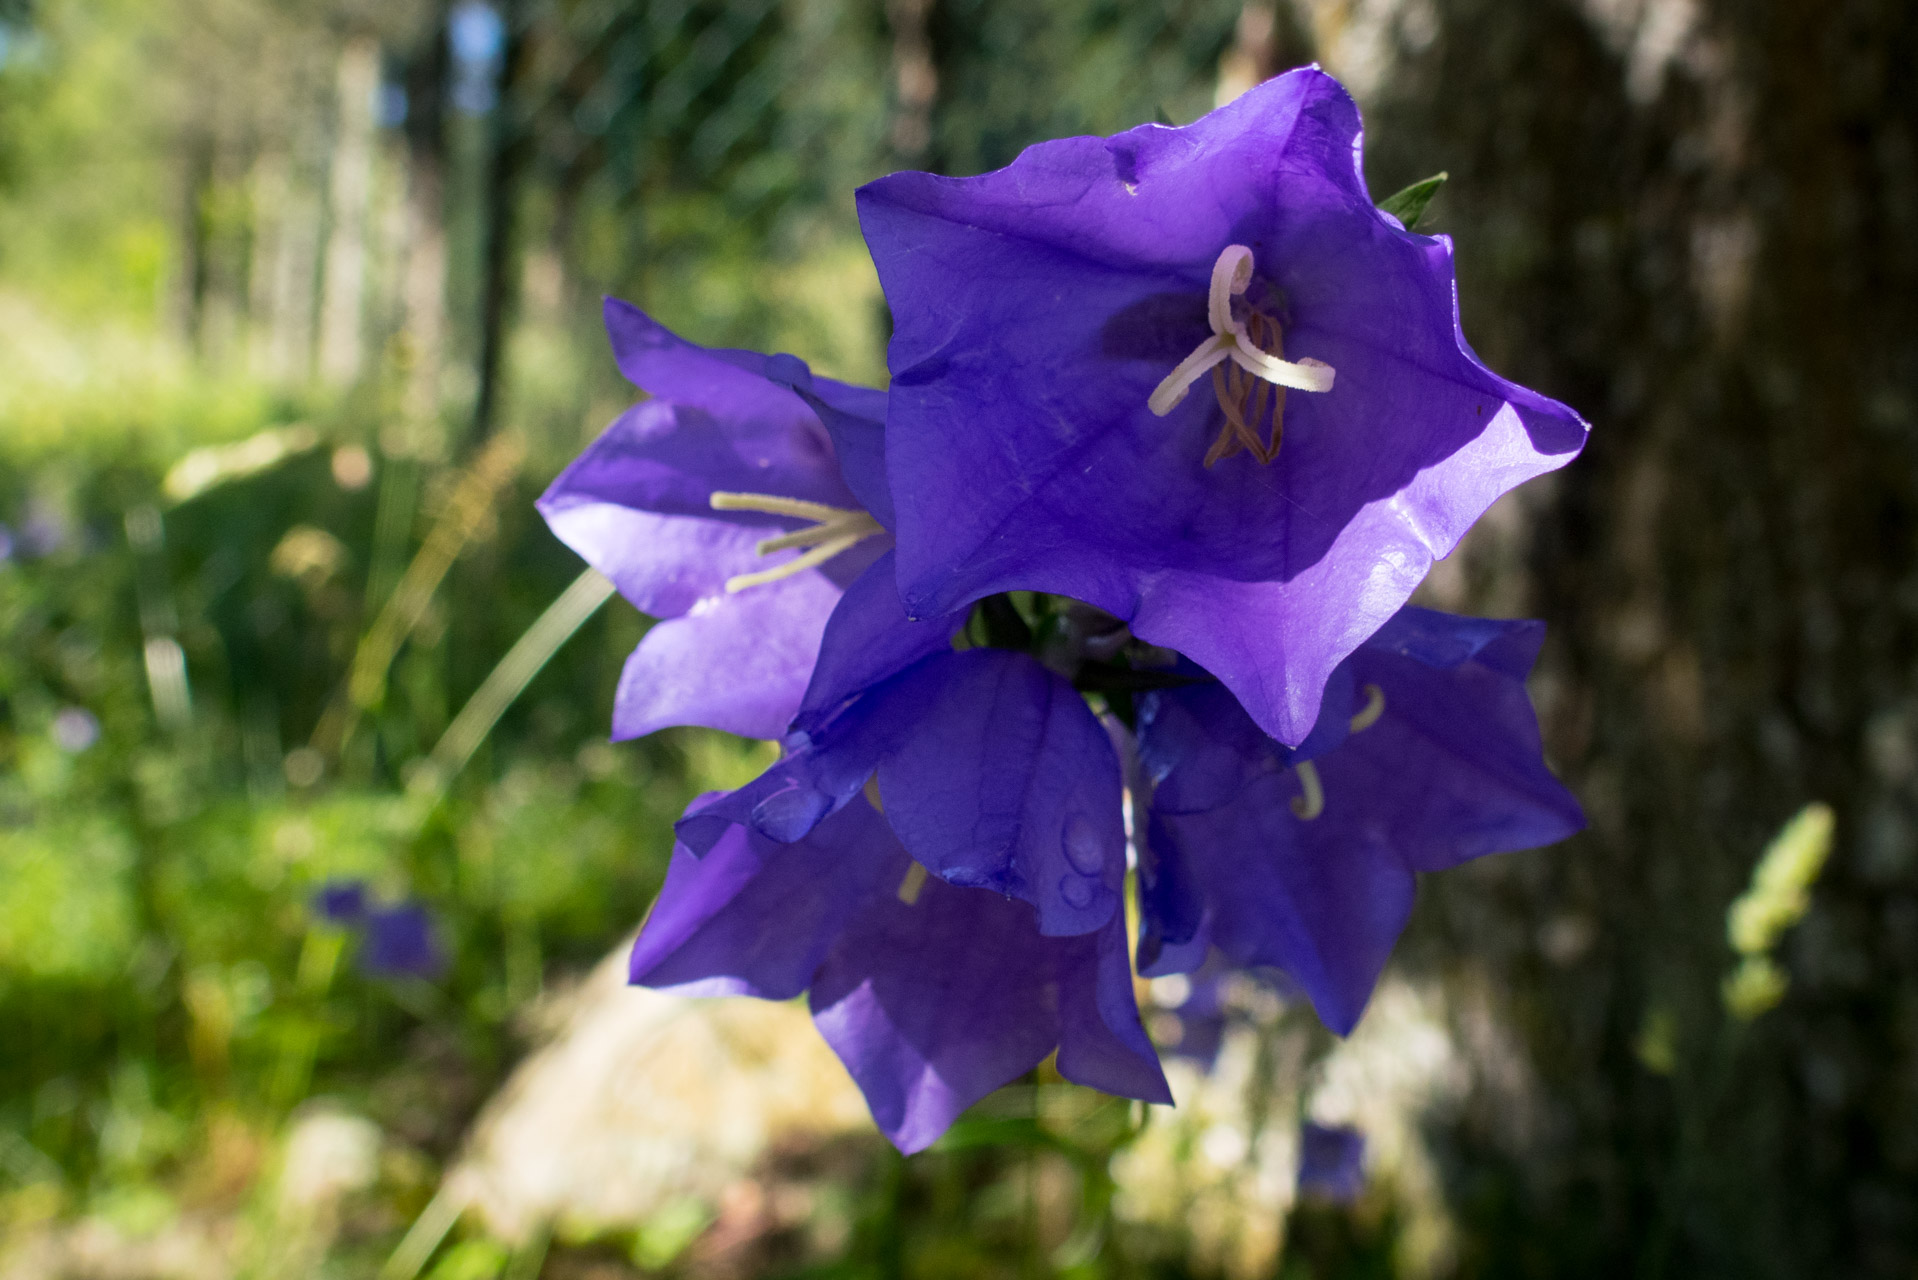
column 172, row 1001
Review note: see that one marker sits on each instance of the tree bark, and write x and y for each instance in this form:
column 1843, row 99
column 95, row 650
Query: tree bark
column 1693, row 221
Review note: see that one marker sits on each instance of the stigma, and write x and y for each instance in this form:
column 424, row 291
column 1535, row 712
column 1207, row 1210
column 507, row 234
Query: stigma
column 833, row 530
column 1246, row 361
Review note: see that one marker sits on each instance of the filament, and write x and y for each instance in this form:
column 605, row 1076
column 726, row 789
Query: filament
column 833, row 531
column 913, row 884
column 1245, row 359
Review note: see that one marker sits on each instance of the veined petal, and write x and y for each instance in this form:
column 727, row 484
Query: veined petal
column 739, row 662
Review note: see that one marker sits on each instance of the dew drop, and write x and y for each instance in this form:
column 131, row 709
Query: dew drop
column 1083, row 848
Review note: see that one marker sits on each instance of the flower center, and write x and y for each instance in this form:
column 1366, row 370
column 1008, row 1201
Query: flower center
column 834, row 529
column 1310, row 802
column 1246, row 361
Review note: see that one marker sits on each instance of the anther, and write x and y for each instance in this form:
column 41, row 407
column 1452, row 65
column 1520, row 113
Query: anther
column 913, row 884
column 834, row 530
column 1369, row 714
column 1239, row 360
column 1310, row 803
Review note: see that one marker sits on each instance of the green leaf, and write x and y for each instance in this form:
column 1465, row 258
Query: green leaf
column 1408, row 206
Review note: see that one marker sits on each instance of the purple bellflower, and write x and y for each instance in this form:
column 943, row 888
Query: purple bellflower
column 1427, row 754
column 719, row 507
column 933, row 995
column 400, row 942
column 1194, row 378
column 1331, row 1162
column 341, row 901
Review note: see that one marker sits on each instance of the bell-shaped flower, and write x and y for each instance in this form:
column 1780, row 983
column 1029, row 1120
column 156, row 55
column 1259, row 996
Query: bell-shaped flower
column 992, row 770
column 719, row 506
column 1309, row 865
column 1193, row 377
column 933, row 995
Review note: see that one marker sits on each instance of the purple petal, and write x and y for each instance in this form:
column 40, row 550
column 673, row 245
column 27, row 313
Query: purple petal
column 1331, row 1161
column 1101, row 1041
column 789, row 799
column 1007, row 781
column 935, row 1004
column 1454, row 768
column 867, row 640
column 1037, row 308
column 754, row 917
column 400, row 942
column 732, row 386
column 341, row 901
column 992, row 770
column 738, row 662
column 1451, row 769
column 855, row 418
column 1199, row 748
column 1323, row 900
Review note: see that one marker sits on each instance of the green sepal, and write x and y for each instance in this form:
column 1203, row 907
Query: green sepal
column 1408, row 206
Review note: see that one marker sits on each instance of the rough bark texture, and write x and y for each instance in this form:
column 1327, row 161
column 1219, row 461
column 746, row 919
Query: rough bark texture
column 1696, row 223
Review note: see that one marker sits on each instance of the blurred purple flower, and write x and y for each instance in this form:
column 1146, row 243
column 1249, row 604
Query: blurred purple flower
column 1214, row 997
column 75, row 729
column 1427, row 755
column 719, row 507
column 400, row 942
column 341, row 901
column 1051, row 318
column 1331, row 1162
column 6, row 543
column 932, row 995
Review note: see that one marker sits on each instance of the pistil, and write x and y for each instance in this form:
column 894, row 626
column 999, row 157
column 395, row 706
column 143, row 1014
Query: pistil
column 834, row 529
column 1245, row 359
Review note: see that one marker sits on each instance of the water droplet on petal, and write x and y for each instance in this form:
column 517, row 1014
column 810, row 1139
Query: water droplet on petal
column 1084, row 849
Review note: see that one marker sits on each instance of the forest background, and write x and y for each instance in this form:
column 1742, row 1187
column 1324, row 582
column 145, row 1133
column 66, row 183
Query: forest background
column 298, row 312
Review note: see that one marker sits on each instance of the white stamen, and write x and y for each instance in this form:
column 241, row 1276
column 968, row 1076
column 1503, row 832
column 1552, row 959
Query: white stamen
column 837, row 528
column 1369, row 714
column 818, row 555
column 1214, row 350
column 1301, row 375
column 1231, row 276
column 773, row 504
column 1311, row 803
column 857, row 522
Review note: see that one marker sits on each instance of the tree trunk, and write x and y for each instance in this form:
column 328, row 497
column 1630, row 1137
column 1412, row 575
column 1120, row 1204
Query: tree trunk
column 1693, row 220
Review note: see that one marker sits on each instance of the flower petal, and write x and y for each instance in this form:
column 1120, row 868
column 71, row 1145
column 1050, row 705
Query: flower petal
column 738, row 662
column 868, row 639
column 1007, row 781
column 933, row 1005
column 1323, row 900
column 755, row 917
